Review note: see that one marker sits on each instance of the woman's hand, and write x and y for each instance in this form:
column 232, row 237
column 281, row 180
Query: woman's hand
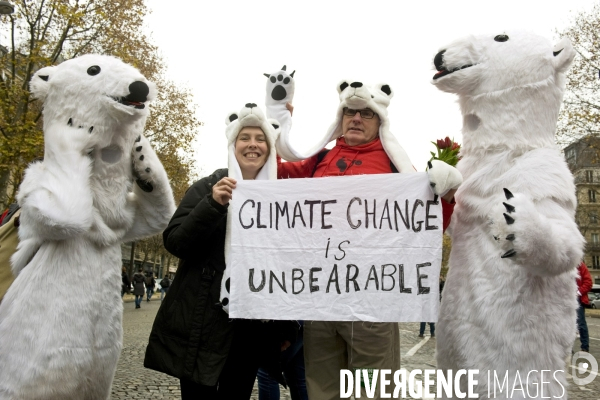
column 290, row 108
column 221, row 191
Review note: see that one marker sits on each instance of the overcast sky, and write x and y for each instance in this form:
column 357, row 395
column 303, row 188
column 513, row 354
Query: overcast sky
column 220, row 50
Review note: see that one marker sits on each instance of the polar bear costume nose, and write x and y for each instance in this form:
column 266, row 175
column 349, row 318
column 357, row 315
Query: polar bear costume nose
column 138, row 92
column 438, row 60
column 356, row 84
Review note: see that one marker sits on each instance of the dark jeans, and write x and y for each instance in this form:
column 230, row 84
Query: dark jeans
column 584, row 336
column 292, row 361
column 239, row 373
column 138, row 300
column 431, row 328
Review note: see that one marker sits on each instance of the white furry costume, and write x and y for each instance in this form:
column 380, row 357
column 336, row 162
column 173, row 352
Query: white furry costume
column 250, row 115
column 60, row 322
column 510, row 298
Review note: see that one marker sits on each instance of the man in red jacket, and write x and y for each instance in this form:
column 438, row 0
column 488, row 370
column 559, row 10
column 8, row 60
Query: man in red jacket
column 364, row 146
column 584, row 285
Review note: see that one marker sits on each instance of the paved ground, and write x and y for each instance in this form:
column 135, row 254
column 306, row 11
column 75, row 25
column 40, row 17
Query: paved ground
column 133, row 381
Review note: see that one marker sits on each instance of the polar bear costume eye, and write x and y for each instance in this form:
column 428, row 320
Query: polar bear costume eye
column 93, row 70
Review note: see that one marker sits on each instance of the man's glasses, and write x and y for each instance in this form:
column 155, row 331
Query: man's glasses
column 364, row 113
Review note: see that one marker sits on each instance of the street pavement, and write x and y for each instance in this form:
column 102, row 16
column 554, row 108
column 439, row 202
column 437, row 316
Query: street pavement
column 133, row 381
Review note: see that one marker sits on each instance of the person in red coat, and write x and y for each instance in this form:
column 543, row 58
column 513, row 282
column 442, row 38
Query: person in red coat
column 584, row 285
column 363, row 146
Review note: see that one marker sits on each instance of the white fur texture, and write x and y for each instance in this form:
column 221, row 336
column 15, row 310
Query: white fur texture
column 514, row 314
column 250, row 115
column 443, row 177
column 60, row 321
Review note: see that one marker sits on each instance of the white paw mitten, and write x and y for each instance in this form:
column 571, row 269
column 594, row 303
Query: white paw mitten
column 146, row 166
column 280, row 91
column 443, row 177
column 225, row 290
column 515, row 224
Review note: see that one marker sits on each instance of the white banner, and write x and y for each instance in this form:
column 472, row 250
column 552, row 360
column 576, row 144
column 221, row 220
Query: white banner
column 352, row 248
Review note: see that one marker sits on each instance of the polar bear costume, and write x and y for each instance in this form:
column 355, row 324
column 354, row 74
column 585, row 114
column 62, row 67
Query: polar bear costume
column 60, row 321
column 250, row 115
column 510, row 297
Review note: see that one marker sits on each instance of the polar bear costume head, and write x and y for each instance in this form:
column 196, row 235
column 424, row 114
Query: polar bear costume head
column 505, row 74
column 93, row 91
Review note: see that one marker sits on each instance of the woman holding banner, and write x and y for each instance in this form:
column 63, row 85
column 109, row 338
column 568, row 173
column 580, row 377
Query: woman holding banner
column 192, row 337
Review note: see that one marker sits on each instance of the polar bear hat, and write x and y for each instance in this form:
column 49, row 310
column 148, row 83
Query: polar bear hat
column 356, row 95
column 123, row 92
column 253, row 116
column 518, row 67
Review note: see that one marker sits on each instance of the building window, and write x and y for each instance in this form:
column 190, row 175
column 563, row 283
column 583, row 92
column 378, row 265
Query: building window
column 589, row 176
column 593, row 218
column 570, row 155
column 596, row 262
column 592, row 195
column 595, row 239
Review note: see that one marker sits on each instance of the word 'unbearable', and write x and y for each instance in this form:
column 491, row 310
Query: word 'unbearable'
column 390, row 215
column 382, row 278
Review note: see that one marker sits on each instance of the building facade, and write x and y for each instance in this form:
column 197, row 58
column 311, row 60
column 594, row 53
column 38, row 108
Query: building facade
column 583, row 158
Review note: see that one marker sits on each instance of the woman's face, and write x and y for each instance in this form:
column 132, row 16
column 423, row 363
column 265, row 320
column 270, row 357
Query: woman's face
column 251, row 151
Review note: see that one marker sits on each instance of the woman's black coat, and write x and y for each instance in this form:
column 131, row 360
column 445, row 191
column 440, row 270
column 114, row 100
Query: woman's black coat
column 191, row 335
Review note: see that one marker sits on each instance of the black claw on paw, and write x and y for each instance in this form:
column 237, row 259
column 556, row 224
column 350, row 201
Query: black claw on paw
column 509, row 253
column 511, row 237
column 144, row 185
column 509, row 220
column 508, row 194
column 70, row 122
column 432, row 184
column 142, row 157
column 496, row 237
column 138, row 138
column 91, row 129
column 509, row 208
column 147, row 170
column 139, row 148
column 80, row 127
column 429, row 164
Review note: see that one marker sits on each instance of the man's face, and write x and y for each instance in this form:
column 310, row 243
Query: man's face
column 358, row 130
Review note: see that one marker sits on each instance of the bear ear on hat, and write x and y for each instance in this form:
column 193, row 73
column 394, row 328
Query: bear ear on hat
column 342, row 86
column 231, row 117
column 386, row 89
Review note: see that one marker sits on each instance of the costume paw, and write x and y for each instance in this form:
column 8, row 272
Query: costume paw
column 443, row 177
column 145, row 163
column 280, row 87
column 225, row 291
column 514, row 220
column 71, row 136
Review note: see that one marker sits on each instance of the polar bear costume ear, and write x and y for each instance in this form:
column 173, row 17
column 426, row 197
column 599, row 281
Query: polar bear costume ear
column 563, row 55
column 40, row 83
